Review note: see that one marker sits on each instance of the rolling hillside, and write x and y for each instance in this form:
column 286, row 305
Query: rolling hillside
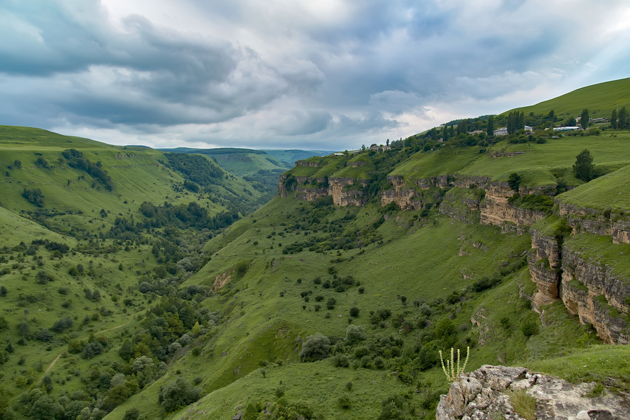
column 333, row 299
column 600, row 99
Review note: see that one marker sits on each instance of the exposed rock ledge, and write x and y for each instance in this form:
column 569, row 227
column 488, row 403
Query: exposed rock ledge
column 485, row 394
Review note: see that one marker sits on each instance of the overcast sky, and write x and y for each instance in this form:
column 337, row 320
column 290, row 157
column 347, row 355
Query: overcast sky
column 316, row 74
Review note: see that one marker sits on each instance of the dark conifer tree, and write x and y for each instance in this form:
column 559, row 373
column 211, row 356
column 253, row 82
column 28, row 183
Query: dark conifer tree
column 585, row 119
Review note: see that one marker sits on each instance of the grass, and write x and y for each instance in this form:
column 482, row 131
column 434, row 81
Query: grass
column 601, row 250
column 538, row 164
column 524, row 404
column 600, row 99
column 606, row 192
column 605, row 364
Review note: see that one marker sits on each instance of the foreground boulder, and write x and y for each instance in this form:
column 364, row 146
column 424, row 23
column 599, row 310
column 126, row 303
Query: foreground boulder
column 514, row 393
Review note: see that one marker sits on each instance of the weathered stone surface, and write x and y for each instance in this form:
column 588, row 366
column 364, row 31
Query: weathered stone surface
column 496, row 210
column 597, row 222
column 347, row 191
column 598, row 296
column 405, row 198
column 486, row 392
column 462, row 204
column 544, row 261
column 621, row 231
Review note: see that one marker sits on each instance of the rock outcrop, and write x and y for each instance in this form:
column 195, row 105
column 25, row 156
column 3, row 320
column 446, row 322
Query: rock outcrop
column 544, row 260
column 597, row 295
column 490, row 392
column 496, row 210
column 462, row 204
column 347, row 191
column 597, row 222
column 343, row 191
column 404, row 197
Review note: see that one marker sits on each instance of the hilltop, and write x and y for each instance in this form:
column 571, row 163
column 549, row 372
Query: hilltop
column 601, row 99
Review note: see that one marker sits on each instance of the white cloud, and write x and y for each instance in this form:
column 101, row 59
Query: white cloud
column 302, row 73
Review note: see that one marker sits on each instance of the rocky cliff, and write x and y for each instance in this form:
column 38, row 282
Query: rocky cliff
column 496, row 210
column 513, row 393
column 343, row 191
column 615, row 224
column 544, row 261
column 588, row 288
column 597, row 295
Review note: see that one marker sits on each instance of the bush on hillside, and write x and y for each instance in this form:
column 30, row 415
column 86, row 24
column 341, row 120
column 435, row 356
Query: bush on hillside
column 178, row 394
column 34, row 196
column 315, row 347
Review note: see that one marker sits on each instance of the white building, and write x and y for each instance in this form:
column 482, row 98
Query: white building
column 501, row 131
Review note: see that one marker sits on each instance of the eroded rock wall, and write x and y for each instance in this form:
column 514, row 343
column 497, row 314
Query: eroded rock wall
column 597, row 295
column 607, row 223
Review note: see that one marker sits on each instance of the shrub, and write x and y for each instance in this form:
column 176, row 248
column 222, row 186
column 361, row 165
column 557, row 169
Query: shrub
column 34, row 196
column 315, row 347
column 354, row 312
column 92, row 349
column 355, row 334
column 529, row 328
column 131, row 414
column 514, row 181
column 341, row 360
column 178, row 394
column 344, row 402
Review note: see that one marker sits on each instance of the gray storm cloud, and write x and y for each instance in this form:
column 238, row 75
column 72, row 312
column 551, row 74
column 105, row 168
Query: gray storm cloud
column 330, row 74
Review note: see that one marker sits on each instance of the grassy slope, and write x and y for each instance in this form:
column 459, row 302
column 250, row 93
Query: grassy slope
column 423, row 261
column 536, row 164
column 606, row 192
column 137, row 174
column 600, row 99
column 111, row 268
column 15, row 229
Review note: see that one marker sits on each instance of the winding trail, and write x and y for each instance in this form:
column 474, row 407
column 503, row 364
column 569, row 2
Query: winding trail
column 56, row 359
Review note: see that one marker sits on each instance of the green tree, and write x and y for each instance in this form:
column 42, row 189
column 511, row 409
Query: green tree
column 622, row 118
column 514, row 181
column 583, row 168
column 315, row 347
column 490, row 126
column 613, row 119
column 177, row 394
column 585, row 119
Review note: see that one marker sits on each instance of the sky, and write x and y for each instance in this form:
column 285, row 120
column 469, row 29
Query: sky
column 309, row 74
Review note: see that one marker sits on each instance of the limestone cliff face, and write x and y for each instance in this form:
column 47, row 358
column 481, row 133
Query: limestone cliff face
column 404, row 197
column 597, row 222
column 462, row 204
column 344, row 191
column 347, row 191
column 544, row 260
column 597, row 295
column 496, row 210
column 487, row 394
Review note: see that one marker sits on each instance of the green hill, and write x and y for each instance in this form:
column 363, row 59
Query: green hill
column 600, row 99
column 261, row 168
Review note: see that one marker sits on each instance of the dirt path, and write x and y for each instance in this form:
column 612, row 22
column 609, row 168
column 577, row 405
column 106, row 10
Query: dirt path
column 52, row 364
column 56, row 359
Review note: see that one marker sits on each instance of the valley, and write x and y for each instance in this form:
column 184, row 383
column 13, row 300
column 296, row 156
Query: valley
column 141, row 283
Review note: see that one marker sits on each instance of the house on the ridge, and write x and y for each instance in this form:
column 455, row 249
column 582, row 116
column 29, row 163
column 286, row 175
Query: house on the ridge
column 503, row 131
